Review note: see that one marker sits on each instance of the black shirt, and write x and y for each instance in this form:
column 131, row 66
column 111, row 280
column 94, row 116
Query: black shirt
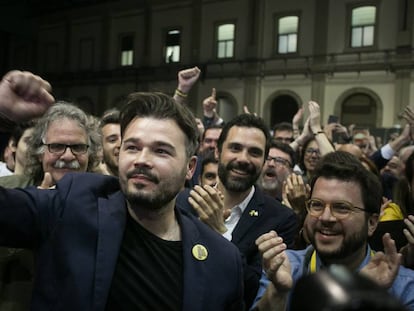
column 148, row 274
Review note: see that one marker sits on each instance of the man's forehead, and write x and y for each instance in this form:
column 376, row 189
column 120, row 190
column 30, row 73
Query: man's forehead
column 215, row 133
column 275, row 152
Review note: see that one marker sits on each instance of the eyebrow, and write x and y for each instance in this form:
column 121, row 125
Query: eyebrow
column 157, row 143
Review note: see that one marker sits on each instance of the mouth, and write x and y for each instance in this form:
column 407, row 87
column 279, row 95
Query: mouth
column 327, row 235
column 239, row 172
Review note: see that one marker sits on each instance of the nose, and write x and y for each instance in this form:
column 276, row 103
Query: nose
column 67, row 154
column 142, row 158
column 327, row 214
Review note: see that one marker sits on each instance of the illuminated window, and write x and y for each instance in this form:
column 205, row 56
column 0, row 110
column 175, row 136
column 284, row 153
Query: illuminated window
column 225, row 41
column 363, row 26
column 172, row 46
column 288, row 34
column 127, row 51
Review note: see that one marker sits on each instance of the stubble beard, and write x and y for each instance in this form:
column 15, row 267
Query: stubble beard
column 237, row 184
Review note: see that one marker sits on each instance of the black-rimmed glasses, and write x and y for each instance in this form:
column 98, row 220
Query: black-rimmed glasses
column 76, row 149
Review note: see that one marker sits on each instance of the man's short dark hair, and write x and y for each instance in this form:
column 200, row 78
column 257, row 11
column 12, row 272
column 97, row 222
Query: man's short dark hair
column 110, row 116
column 214, row 126
column 207, row 160
column 161, row 106
column 283, row 126
column 346, row 167
column 286, row 149
column 245, row 120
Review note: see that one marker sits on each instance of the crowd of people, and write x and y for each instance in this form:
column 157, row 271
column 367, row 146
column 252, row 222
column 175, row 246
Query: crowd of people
column 148, row 207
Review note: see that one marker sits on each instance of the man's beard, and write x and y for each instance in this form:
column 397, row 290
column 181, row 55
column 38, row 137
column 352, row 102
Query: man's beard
column 269, row 185
column 154, row 200
column 238, row 184
column 350, row 245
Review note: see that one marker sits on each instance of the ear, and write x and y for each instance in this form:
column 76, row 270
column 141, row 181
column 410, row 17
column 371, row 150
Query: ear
column 191, row 167
column 216, row 153
column 373, row 220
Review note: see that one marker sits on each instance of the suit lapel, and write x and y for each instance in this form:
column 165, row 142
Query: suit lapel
column 194, row 270
column 111, row 226
column 250, row 216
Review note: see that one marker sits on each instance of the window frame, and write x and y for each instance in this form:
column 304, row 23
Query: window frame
column 165, row 46
column 276, row 36
column 350, row 28
column 216, row 39
column 120, row 50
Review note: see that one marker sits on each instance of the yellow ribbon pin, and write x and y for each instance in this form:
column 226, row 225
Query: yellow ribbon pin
column 254, row 213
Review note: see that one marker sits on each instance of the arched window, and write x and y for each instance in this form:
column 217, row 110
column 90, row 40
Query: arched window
column 227, row 108
column 282, row 109
column 359, row 109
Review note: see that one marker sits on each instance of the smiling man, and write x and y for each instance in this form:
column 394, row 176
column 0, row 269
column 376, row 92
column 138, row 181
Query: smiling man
column 343, row 212
column 109, row 244
column 242, row 148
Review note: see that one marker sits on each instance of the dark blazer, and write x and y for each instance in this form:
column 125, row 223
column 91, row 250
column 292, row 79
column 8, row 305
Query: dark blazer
column 262, row 214
column 77, row 231
column 271, row 215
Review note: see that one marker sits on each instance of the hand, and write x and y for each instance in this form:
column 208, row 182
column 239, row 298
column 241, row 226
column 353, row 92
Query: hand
column 200, row 126
column 408, row 250
column 314, row 117
column 187, row 78
column 246, row 110
column 297, row 117
column 210, row 104
column 24, row 96
column 384, row 205
column 208, row 202
column 47, row 182
column 383, row 266
column 275, row 261
column 296, row 193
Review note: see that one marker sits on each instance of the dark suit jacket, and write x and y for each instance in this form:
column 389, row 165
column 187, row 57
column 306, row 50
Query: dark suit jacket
column 262, row 214
column 271, row 216
column 77, row 231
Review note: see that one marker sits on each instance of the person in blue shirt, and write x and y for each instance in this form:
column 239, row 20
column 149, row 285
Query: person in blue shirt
column 343, row 211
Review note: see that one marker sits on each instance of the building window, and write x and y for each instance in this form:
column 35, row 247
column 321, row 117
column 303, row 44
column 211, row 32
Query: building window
column 127, row 50
column 363, row 26
column 288, row 34
column 225, row 41
column 172, row 46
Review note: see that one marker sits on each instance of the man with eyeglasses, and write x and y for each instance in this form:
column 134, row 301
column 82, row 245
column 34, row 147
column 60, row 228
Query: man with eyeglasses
column 64, row 140
column 343, row 212
column 277, row 167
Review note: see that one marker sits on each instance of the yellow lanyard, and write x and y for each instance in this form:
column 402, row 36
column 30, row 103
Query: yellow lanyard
column 313, row 261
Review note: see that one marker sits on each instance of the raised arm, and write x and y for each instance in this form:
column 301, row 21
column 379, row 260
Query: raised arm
column 23, row 96
column 186, row 79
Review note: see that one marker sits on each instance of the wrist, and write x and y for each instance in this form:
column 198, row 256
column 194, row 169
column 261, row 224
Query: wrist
column 318, row 133
column 180, row 93
column 209, row 114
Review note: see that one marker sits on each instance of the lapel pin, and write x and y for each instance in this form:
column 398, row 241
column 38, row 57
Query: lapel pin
column 200, row 252
column 254, row 213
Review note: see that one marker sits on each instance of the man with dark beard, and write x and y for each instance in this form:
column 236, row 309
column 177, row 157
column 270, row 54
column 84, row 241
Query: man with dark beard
column 100, row 247
column 242, row 148
column 343, row 212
